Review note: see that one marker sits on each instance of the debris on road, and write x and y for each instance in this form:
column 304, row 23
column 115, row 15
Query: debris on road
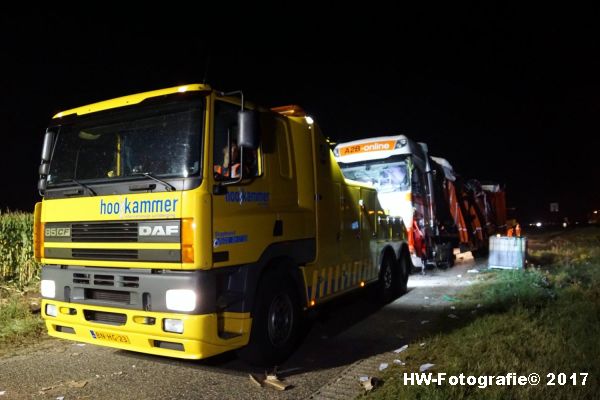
column 255, row 380
column 368, row 382
column 425, row 367
column 473, row 271
column 401, row 349
column 2, row 393
column 48, row 388
column 449, row 298
column 77, row 384
column 452, row 307
column 459, row 276
column 426, row 297
column 270, row 380
column 275, row 383
column 399, row 362
column 453, row 316
column 422, row 344
column 383, row 366
column 425, row 321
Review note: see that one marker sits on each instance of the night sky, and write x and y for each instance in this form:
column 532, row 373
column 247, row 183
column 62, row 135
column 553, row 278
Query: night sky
column 506, row 95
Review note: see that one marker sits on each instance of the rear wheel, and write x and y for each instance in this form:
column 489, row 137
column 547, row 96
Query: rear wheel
column 404, row 268
column 276, row 321
column 389, row 279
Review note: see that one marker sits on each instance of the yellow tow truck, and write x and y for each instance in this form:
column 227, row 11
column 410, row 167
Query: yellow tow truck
column 185, row 222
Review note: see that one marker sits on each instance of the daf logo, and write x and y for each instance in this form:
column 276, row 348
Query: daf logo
column 159, row 230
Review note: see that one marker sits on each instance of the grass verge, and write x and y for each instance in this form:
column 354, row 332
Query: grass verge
column 19, row 321
column 545, row 320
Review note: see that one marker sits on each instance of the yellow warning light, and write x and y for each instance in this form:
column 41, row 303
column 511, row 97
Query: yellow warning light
column 290, row 111
column 312, row 303
column 362, row 284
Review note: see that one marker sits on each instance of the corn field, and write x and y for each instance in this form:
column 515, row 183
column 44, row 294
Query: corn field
column 16, row 249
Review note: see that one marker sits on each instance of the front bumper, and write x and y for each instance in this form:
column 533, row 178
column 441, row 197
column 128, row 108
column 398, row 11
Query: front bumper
column 135, row 332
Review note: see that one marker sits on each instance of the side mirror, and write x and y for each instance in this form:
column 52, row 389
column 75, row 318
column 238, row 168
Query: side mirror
column 44, row 169
column 249, row 130
column 47, row 146
column 42, row 183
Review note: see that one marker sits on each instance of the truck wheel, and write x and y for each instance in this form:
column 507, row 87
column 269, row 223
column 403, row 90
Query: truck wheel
column 388, row 279
column 404, row 268
column 276, row 321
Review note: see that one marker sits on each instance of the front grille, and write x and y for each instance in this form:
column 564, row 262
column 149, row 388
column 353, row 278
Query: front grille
column 105, row 232
column 130, row 281
column 105, row 254
column 81, row 278
column 106, row 280
column 108, row 295
column 105, row 317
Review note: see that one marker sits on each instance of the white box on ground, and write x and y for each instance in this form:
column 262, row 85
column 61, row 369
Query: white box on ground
column 507, row 252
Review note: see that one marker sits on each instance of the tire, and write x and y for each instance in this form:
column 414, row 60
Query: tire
column 388, row 286
column 404, row 268
column 276, row 321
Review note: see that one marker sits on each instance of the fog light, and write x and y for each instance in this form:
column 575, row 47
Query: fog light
column 51, row 309
column 48, row 288
column 173, row 325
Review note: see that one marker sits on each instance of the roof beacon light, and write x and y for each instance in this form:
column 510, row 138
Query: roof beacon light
column 290, row 111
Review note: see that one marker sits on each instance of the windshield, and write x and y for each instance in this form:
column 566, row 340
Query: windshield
column 158, row 139
column 389, row 175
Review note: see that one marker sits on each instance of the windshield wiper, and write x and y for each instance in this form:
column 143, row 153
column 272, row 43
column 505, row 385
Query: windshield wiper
column 83, row 185
column 167, row 185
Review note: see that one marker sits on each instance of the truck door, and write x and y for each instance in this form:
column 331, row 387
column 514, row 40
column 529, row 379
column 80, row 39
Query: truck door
column 242, row 225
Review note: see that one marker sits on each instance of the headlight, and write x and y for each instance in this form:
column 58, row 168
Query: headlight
column 48, row 288
column 181, row 300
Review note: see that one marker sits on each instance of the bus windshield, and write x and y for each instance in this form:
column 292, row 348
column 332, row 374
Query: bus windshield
column 389, row 175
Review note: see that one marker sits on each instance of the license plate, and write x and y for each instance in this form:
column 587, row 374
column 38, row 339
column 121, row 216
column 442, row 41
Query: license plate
column 109, row 337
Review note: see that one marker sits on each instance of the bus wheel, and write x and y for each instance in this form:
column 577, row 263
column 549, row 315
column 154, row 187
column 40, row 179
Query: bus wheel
column 276, row 320
column 404, row 268
column 388, row 279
